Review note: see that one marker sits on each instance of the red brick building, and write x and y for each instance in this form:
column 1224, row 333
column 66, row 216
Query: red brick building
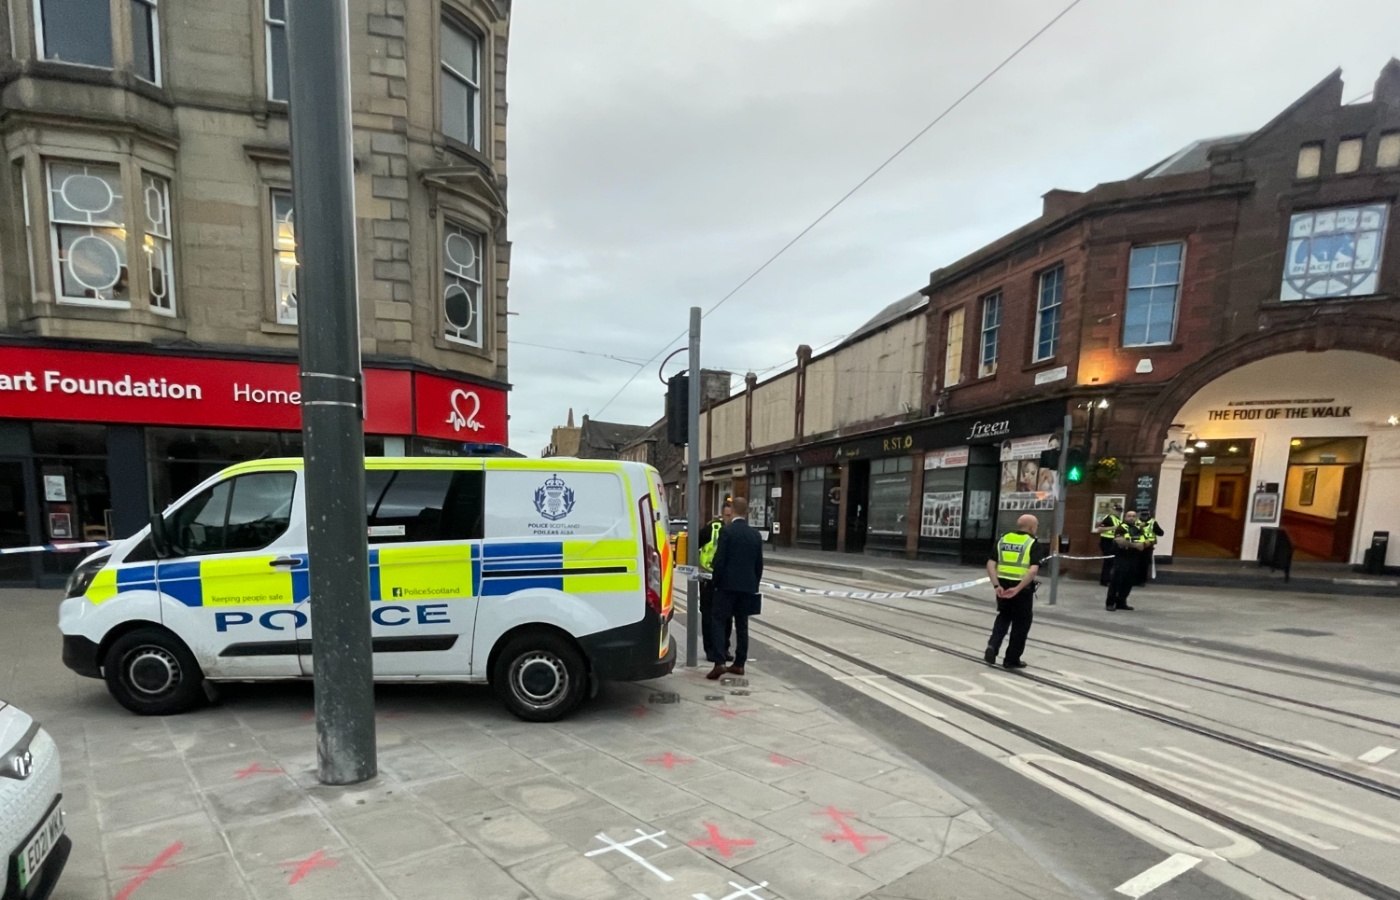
column 1230, row 318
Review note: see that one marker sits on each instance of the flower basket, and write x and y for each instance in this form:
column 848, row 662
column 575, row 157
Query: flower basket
column 1107, row 469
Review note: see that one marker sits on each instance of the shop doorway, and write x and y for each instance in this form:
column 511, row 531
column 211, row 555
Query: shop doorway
column 857, row 506
column 16, row 523
column 1321, row 496
column 1212, row 507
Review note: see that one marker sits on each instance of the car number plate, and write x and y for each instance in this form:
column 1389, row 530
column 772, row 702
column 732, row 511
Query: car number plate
column 33, row 854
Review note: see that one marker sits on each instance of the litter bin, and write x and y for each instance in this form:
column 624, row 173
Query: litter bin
column 1374, row 559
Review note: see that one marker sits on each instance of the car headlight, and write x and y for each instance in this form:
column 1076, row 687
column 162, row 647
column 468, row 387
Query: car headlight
column 81, row 578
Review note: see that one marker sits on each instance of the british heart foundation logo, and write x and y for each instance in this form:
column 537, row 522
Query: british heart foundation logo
column 466, row 406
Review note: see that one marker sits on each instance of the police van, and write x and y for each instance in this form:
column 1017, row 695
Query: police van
column 537, row 576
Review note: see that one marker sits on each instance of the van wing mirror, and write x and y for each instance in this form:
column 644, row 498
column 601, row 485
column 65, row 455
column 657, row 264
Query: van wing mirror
column 160, row 538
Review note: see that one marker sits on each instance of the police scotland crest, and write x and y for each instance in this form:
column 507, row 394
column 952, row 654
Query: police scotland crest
column 554, row 499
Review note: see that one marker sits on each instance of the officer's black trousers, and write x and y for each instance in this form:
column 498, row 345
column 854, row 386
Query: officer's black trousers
column 1125, row 574
column 1106, row 573
column 707, row 615
column 1014, row 614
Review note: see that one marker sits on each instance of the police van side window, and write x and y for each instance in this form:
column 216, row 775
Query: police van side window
column 407, row 505
column 240, row 515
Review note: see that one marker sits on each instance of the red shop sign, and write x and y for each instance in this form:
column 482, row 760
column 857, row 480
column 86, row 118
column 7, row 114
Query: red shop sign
column 80, row 386
column 457, row 411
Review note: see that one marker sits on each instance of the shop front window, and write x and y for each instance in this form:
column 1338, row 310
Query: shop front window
column 810, row 497
column 75, row 495
column 890, row 484
column 942, row 508
column 760, row 515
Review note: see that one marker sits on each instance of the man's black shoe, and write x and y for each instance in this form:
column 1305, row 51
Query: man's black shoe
column 1013, row 665
column 1110, row 608
column 1127, row 607
column 990, row 656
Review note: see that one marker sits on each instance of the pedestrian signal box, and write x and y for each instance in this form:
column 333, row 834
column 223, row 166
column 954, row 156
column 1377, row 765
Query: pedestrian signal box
column 1075, row 466
column 678, row 409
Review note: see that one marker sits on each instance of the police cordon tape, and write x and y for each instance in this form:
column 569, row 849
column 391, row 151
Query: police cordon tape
column 56, row 548
column 696, row 574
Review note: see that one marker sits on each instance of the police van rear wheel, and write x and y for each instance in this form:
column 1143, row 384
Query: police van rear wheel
column 151, row 672
column 540, row 677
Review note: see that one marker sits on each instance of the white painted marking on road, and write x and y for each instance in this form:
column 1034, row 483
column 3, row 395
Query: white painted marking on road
column 1377, row 754
column 1120, row 689
column 1037, row 766
column 865, row 678
column 909, row 701
column 971, row 692
column 1158, row 875
column 1060, row 700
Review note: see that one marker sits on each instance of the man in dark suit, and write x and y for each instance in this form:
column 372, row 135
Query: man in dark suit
column 738, row 568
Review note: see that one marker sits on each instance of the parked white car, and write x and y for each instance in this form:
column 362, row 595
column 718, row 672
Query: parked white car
column 33, row 845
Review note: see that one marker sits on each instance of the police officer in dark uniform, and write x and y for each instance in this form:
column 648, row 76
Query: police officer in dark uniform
column 1129, row 544
column 1012, row 568
column 707, row 586
column 1104, row 530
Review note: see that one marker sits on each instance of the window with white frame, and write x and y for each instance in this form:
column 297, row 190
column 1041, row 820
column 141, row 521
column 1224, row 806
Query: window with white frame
column 157, row 244
column 275, row 43
column 1154, row 286
column 991, row 332
column 1049, row 304
column 461, row 84
column 284, row 255
column 1334, row 252
column 145, row 40
column 75, row 31
column 953, row 347
column 462, row 283
column 87, row 220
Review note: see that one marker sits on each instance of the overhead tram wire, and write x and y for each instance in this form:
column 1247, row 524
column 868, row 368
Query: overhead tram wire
column 860, row 184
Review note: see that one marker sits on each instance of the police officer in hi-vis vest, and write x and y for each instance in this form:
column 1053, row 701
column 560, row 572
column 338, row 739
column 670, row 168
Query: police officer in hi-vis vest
column 707, row 587
column 1105, row 530
column 1129, row 545
column 1012, row 568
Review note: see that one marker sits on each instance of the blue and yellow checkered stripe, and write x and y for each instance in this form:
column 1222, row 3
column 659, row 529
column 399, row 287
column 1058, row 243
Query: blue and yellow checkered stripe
column 396, row 574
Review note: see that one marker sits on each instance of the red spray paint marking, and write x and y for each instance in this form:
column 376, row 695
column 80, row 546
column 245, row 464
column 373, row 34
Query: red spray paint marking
column 731, row 713
column 778, row 759
column 255, row 769
column 303, row 867
column 723, row 846
column 144, row 873
column 669, row 760
column 640, row 711
column 857, row 840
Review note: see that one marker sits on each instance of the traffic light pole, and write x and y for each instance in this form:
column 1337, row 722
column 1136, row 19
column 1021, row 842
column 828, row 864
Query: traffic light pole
column 692, row 494
column 1062, row 492
column 332, row 388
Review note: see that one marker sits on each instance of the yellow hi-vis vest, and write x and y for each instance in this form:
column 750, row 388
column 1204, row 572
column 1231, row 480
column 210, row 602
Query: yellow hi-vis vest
column 710, row 547
column 1014, row 555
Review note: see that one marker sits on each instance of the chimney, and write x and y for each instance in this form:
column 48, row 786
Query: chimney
column 1388, row 84
column 571, row 418
column 1058, row 202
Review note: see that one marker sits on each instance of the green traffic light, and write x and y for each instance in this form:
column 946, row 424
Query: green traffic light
column 1074, row 475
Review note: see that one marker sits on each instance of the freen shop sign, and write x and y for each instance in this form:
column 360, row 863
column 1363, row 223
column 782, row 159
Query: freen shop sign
column 176, row 390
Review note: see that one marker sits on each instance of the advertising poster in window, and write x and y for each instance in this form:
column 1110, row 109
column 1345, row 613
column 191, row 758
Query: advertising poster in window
column 942, row 515
column 1106, row 505
column 1023, row 487
column 60, row 526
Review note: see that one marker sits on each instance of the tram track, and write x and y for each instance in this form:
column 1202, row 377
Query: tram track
column 1335, row 872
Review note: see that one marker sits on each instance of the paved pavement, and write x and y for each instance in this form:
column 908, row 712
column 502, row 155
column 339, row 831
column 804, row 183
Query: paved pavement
column 674, row 789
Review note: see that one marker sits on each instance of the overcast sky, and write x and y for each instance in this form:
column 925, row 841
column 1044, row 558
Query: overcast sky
column 660, row 150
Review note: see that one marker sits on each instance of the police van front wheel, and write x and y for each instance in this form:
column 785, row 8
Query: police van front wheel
column 540, row 677
column 152, row 673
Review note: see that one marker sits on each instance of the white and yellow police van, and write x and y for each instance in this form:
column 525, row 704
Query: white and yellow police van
column 537, row 576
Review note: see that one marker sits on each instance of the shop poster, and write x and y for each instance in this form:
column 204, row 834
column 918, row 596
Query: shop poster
column 942, row 515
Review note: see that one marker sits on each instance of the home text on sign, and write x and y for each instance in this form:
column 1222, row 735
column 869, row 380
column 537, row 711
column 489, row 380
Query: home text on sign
column 1251, row 410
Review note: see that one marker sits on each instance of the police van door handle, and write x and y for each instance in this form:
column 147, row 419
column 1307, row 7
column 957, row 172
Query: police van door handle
column 284, row 562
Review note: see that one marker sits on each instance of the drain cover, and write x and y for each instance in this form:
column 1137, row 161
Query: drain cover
column 1302, row 632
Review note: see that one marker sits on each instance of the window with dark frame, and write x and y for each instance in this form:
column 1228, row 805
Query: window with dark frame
column 145, row 40
column 405, row 505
